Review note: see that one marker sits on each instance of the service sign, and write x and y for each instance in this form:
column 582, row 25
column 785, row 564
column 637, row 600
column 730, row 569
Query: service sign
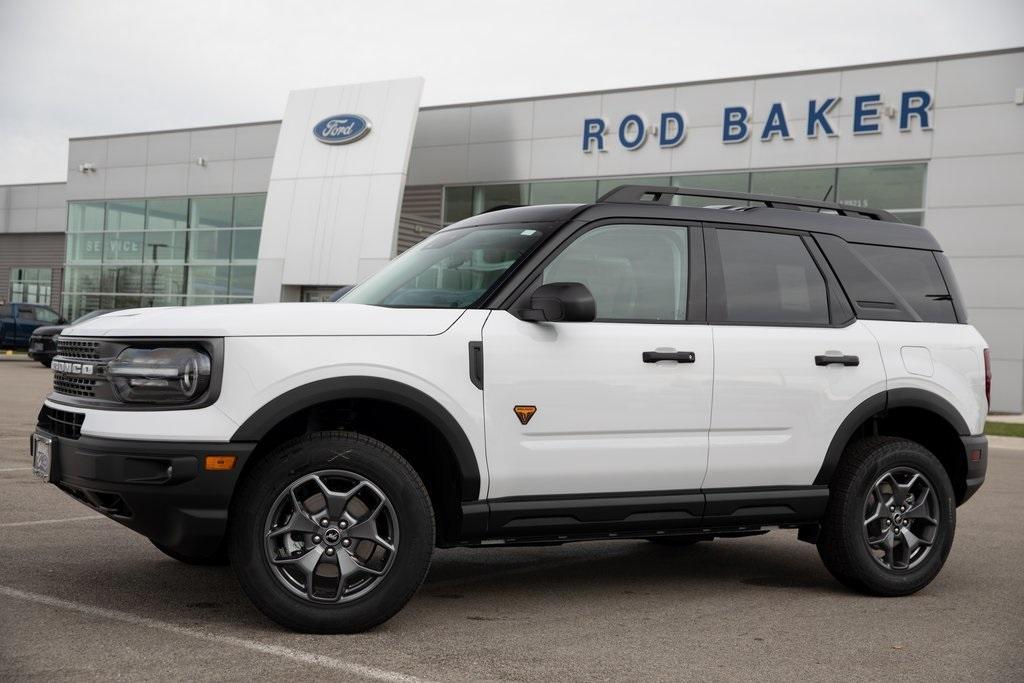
column 341, row 129
column 811, row 119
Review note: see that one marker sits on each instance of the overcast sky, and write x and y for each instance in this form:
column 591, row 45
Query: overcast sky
column 72, row 68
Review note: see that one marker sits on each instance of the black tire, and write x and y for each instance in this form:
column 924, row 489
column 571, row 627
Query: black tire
column 218, row 559
column 842, row 542
column 47, row 362
column 313, row 453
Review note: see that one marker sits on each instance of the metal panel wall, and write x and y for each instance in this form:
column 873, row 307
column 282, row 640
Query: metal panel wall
column 420, row 216
column 32, row 250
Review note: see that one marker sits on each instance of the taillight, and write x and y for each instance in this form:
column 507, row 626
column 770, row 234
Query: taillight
column 988, row 377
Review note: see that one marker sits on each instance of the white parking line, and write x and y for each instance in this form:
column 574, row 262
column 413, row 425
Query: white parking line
column 51, row 521
column 14, row 469
column 209, row 637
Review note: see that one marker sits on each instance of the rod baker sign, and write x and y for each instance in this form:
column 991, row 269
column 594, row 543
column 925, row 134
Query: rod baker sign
column 670, row 127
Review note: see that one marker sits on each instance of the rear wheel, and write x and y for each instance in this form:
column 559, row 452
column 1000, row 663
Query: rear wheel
column 331, row 533
column 891, row 518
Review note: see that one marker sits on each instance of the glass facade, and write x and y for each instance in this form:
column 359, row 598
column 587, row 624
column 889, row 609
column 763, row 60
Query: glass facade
column 31, row 285
column 898, row 188
column 161, row 252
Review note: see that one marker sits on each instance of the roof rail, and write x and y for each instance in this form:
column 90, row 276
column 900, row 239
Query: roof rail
column 653, row 194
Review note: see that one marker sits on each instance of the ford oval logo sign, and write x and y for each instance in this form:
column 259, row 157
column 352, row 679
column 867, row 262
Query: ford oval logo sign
column 341, row 129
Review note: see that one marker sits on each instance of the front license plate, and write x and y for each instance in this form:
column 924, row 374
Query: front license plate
column 42, row 456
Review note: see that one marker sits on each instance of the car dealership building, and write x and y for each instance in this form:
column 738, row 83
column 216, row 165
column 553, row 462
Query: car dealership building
column 352, row 175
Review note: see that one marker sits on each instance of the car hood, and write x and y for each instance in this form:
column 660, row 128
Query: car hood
column 267, row 320
column 48, row 330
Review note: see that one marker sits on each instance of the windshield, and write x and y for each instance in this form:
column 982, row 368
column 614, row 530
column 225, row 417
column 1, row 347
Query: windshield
column 449, row 270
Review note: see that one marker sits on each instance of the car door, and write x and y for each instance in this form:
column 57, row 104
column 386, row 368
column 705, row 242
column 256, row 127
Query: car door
column 24, row 324
column 791, row 361
column 607, row 421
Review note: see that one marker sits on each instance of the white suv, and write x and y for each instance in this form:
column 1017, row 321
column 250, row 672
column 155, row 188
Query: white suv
column 629, row 369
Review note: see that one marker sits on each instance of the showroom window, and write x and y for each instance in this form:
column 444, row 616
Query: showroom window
column 898, row 188
column 31, row 285
column 162, row 252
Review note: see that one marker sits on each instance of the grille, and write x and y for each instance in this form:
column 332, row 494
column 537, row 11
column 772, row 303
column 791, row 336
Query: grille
column 73, row 386
column 61, row 423
column 78, row 349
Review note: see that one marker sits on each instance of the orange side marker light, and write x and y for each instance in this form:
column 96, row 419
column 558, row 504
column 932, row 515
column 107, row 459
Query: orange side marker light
column 219, row 463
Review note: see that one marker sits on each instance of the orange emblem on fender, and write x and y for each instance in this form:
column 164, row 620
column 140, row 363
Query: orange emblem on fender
column 524, row 413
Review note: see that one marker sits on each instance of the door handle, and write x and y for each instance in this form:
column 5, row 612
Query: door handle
column 677, row 356
column 836, row 360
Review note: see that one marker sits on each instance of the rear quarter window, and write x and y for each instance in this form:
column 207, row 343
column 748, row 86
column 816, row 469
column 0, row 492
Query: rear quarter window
column 915, row 274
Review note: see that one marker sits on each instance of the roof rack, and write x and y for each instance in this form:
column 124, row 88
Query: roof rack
column 653, row 194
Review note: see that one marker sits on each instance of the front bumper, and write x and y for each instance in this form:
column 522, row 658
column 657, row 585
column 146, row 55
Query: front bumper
column 158, row 489
column 42, row 348
column 976, row 455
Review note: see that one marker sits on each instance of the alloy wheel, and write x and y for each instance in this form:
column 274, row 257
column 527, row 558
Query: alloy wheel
column 331, row 536
column 901, row 518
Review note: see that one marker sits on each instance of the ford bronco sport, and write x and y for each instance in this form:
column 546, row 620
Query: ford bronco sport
column 630, row 369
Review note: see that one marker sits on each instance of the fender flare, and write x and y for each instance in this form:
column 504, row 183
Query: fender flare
column 336, row 388
column 893, row 398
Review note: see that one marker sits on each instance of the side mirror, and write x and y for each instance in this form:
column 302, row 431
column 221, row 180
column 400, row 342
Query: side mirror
column 561, row 302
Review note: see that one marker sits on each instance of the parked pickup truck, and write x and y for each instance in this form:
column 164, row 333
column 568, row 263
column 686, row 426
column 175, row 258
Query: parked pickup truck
column 42, row 345
column 19, row 321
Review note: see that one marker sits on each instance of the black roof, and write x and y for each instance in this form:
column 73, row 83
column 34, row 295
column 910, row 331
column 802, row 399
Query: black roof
column 858, row 225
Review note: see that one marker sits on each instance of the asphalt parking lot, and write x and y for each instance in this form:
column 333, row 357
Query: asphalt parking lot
column 83, row 598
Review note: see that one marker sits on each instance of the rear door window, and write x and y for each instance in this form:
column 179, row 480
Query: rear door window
column 768, row 278
column 915, row 274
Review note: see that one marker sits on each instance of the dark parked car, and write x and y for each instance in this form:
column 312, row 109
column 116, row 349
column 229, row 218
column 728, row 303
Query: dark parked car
column 43, row 343
column 19, row 321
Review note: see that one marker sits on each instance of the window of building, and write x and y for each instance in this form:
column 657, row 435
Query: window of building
column 130, row 253
column 897, row 188
column 818, row 184
column 85, row 216
column 730, row 182
column 167, row 214
column 458, row 203
column 635, row 272
column 769, row 278
column 31, row 285
column 606, row 185
column 564, row 192
column 126, row 215
column 211, row 212
column 487, row 197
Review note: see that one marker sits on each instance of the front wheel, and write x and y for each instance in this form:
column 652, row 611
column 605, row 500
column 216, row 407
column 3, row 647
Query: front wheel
column 890, row 519
column 331, row 533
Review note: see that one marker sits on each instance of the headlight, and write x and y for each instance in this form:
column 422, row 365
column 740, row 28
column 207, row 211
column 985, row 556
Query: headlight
column 164, row 375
